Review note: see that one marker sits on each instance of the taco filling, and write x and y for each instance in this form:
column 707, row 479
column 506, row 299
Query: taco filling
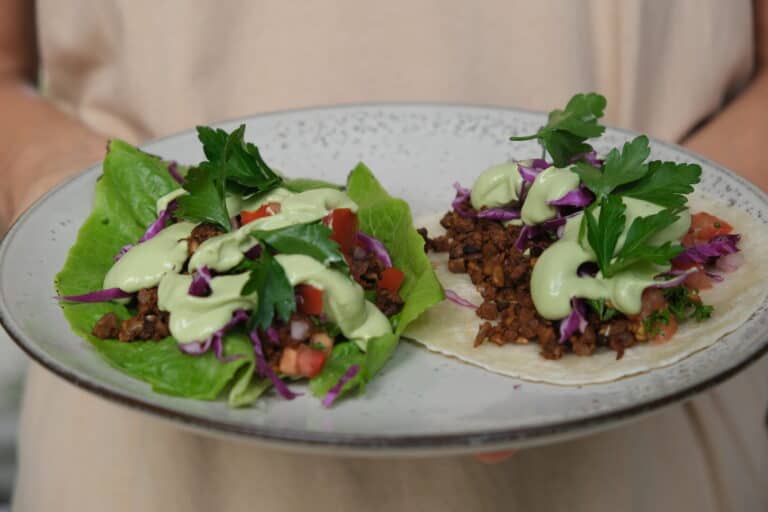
column 577, row 255
column 294, row 267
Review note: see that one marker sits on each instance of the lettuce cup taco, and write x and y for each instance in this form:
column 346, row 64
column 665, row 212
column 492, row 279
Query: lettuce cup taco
column 227, row 277
column 580, row 269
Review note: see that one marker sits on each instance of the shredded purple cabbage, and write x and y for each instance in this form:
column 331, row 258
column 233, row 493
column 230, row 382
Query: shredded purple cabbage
column 587, row 269
column 201, row 282
column 575, row 321
column 580, row 197
column 590, row 158
column 254, row 252
column 714, row 276
column 123, row 250
column 457, row 299
column 97, row 296
column 266, row 371
column 529, row 172
column 376, row 247
column 216, row 340
column 676, row 278
column 174, row 172
column 500, row 214
column 335, row 391
column 718, row 246
column 156, row 227
column 159, row 224
column 528, row 233
column 272, row 335
column 462, row 196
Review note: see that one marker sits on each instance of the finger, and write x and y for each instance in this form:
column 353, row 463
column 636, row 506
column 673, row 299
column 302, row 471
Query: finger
column 494, row 457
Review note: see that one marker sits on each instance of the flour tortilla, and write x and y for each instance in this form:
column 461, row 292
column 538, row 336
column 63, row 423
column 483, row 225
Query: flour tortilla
column 450, row 329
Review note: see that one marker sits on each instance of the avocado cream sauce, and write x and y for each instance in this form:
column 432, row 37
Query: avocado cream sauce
column 554, row 280
column 158, row 262
column 223, row 252
column 197, row 318
column 146, row 263
column 343, row 299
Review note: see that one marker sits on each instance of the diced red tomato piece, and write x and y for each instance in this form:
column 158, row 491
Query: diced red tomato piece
column 652, row 300
column 310, row 361
column 699, row 281
column 310, row 299
column 289, row 361
column 343, row 222
column 689, row 240
column 705, row 226
column 391, row 279
column 666, row 330
column 264, row 211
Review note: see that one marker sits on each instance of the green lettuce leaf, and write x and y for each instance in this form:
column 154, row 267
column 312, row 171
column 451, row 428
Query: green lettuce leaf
column 124, row 204
column 389, row 220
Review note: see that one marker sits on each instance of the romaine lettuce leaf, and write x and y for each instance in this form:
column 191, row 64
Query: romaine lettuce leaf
column 124, row 204
column 389, row 220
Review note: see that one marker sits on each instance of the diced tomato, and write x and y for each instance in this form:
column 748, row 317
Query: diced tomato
column 321, row 338
column 391, row 279
column 310, row 299
column 652, row 300
column 689, row 240
column 310, row 361
column 264, row 211
column 666, row 330
column 343, row 222
column 704, row 227
column 289, row 361
column 698, row 281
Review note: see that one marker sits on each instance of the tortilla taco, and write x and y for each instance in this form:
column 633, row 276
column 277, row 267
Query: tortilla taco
column 584, row 269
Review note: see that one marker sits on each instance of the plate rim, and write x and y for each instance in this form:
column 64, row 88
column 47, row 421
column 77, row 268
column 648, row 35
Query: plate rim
column 476, row 439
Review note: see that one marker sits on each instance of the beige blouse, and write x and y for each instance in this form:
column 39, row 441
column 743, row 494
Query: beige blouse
column 139, row 69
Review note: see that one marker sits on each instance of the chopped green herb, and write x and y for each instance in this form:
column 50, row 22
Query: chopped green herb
column 205, row 201
column 603, row 233
column 685, row 303
column 309, row 239
column 652, row 323
column 275, row 293
column 636, row 248
column 244, row 169
column 665, row 184
column 619, row 168
column 604, row 312
column 566, row 130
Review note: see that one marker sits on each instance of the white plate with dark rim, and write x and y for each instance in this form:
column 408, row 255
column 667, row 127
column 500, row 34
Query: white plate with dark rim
column 422, row 403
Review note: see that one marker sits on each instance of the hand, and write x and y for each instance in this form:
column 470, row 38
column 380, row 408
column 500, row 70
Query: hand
column 33, row 169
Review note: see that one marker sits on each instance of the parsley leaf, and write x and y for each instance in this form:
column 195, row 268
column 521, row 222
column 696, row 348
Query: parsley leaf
column 637, row 245
column 273, row 289
column 685, row 303
column 309, row 239
column 603, row 233
column 666, row 183
column 652, row 323
column 619, row 168
column 604, row 312
column 205, row 201
column 566, row 130
column 245, row 170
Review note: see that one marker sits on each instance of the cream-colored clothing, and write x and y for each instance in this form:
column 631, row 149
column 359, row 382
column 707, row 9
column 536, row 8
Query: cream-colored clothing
column 139, row 69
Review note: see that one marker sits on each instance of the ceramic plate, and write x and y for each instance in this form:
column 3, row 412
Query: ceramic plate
column 422, row 402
